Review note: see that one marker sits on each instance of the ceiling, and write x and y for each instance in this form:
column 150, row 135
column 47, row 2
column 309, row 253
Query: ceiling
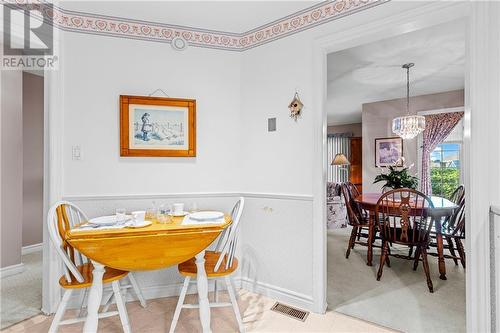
column 231, row 16
column 372, row 72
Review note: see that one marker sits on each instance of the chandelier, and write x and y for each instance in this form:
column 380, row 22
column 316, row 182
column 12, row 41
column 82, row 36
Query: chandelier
column 409, row 126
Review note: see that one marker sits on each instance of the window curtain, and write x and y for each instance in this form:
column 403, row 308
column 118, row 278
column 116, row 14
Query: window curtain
column 338, row 143
column 437, row 128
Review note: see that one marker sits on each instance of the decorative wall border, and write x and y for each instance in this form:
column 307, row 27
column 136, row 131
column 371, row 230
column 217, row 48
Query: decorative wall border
column 112, row 26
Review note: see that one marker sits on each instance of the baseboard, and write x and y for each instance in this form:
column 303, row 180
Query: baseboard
column 277, row 293
column 31, row 248
column 11, row 270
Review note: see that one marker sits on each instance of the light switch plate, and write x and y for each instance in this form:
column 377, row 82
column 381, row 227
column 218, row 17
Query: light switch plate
column 271, row 124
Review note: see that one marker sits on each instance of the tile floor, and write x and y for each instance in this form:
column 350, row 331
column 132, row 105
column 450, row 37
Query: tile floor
column 256, row 316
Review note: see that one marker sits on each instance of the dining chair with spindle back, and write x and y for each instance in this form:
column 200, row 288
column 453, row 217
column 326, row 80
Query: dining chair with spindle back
column 353, row 189
column 458, row 194
column 401, row 216
column 219, row 264
column 453, row 229
column 447, row 224
column 62, row 217
column 356, row 219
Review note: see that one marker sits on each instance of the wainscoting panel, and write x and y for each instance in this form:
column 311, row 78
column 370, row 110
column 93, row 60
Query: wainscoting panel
column 277, row 249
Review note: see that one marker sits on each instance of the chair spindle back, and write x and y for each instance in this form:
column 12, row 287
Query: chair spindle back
column 457, row 195
column 457, row 220
column 62, row 217
column 354, row 214
column 226, row 245
column 353, row 189
column 401, row 216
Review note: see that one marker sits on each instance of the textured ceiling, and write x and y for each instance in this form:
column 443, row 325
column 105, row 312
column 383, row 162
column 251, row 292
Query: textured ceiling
column 372, row 72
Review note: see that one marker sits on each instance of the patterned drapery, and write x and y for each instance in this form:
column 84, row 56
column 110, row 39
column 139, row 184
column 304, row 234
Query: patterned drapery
column 338, row 143
column 437, row 128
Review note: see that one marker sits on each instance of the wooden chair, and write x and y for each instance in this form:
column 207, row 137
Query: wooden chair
column 353, row 189
column 219, row 264
column 453, row 229
column 401, row 218
column 458, row 194
column 356, row 219
column 78, row 269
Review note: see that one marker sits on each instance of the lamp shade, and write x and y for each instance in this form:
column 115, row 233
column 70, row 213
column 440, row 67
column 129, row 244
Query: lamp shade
column 340, row 159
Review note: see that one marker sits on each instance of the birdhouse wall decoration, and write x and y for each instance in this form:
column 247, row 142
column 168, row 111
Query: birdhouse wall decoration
column 295, row 107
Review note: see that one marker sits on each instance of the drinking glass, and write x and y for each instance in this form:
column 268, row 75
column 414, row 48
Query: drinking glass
column 151, row 214
column 120, row 215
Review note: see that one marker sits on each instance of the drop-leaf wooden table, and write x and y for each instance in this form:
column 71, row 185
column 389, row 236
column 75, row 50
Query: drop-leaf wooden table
column 156, row 246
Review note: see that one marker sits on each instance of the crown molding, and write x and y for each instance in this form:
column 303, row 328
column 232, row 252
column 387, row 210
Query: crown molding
column 112, row 26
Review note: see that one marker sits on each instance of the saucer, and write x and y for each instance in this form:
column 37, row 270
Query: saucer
column 140, row 224
column 178, row 214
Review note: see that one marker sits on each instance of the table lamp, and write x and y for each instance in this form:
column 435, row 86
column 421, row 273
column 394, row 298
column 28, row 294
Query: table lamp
column 341, row 161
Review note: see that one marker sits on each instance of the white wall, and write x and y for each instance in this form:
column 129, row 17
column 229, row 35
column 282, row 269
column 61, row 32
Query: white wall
column 96, row 70
column 377, row 121
column 11, row 147
column 32, row 159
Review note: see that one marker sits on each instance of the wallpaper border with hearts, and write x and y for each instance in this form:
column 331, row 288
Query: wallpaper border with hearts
column 112, row 26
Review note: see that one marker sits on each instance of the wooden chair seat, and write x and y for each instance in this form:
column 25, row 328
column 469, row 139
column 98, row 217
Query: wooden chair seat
column 188, row 268
column 110, row 275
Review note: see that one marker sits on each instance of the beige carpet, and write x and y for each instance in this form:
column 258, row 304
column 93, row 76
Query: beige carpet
column 400, row 300
column 257, row 317
column 21, row 294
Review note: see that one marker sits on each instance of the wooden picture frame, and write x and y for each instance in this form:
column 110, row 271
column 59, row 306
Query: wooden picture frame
column 388, row 151
column 157, row 126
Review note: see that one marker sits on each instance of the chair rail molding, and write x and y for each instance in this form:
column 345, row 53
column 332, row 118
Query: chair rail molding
column 185, row 195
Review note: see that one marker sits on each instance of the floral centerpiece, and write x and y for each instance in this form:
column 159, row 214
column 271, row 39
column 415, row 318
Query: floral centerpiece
column 397, row 177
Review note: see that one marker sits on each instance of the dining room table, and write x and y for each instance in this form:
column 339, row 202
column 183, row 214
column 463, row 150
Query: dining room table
column 442, row 208
column 152, row 247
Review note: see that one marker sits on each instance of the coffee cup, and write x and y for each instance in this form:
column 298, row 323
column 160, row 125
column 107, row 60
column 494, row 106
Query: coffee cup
column 177, row 209
column 139, row 216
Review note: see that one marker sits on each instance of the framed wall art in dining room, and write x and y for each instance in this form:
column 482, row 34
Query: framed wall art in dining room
column 388, row 151
column 157, row 126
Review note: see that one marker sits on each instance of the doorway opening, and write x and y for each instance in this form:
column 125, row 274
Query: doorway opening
column 366, row 89
column 22, row 195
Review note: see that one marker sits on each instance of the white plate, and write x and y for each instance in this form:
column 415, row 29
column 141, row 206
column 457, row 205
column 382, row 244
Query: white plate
column 140, row 224
column 206, row 216
column 106, row 220
column 178, row 214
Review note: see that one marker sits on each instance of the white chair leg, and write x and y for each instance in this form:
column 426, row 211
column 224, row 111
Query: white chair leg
column 108, row 301
column 122, row 309
column 137, row 289
column 180, row 302
column 60, row 311
column 83, row 303
column 236, row 309
column 216, row 295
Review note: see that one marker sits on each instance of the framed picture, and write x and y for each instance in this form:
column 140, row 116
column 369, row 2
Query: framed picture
column 157, row 126
column 388, row 151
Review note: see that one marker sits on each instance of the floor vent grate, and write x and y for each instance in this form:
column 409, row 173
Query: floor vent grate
column 290, row 311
